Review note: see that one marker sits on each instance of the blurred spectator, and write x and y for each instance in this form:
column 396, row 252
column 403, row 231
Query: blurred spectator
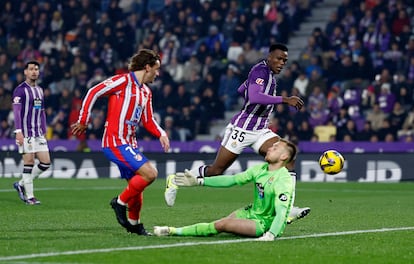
column 97, row 77
column 319, row 115
column 251, row 55
column 408, row 125
column 348, row 131
column 386, row 99
column 5, row 129
column 334, row 102
column 376, row 116
column 301, row 83
column 397, row 117
column 366, row 132
column 229, row 82
column 186, row 124
column 399, row 22
column 5, row 103
column 78, row 67
column 169, row 128
column 290, row 131
column 274, row 125
column 176, row 70
column 368, row 99
column 316, row 80
column 341, row 118
column 29, row 53
column 310, row 50
column 393, row 58
column 305, row 131
column 6, row 83
column 5, row 64
column 47, row 46
column 164, row 101
column 384, row 130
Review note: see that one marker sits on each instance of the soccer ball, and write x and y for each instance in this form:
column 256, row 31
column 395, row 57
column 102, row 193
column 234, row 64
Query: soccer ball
column 331, row 162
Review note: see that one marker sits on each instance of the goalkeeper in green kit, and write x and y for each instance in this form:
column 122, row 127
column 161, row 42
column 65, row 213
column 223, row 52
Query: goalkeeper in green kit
column 266, row 218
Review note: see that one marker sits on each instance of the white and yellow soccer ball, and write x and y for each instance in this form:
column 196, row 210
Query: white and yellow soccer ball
column 331, row 162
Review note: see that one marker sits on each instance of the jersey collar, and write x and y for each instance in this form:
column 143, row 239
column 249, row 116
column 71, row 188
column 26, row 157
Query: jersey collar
column 135, row 79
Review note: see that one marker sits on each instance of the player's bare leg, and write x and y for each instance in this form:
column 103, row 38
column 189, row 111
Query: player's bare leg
column 223, row 161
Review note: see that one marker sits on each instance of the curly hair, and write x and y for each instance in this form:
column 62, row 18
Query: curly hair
column 142, row 58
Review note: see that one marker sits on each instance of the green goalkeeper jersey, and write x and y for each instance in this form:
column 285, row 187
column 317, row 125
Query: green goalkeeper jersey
column 273, row 192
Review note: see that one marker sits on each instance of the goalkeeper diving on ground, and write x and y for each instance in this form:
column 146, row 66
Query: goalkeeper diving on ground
column 266, row 217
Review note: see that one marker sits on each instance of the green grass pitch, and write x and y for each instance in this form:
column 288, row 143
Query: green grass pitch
column 349, row 223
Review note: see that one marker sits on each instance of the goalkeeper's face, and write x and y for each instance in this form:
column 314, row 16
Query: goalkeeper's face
column 279, row 151
column 276, row 60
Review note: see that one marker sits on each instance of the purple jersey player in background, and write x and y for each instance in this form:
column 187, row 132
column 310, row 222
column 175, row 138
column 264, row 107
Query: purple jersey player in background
column 249, row 127
column 30, row 125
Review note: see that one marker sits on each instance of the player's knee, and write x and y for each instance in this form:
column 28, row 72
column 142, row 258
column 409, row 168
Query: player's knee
column 152, row 175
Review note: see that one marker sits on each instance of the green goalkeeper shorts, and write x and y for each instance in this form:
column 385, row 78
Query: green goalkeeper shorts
column 244, row 213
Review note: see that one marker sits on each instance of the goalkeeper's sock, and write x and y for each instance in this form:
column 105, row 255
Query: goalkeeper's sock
column 136, row 185
column 200, row 229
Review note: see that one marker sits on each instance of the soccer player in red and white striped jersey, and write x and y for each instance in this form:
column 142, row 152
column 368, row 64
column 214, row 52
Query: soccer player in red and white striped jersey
column 129, row 103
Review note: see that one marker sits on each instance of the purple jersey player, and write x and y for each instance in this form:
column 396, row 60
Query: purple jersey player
column 30, row 125
column 249, row 127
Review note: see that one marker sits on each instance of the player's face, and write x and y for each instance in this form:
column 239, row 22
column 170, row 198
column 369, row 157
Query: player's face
column 32, row 72
column 152, row 73
column 276, row 60
column 275, row 152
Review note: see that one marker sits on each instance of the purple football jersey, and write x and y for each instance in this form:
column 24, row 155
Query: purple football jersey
column 28, row 109
column 256, row 116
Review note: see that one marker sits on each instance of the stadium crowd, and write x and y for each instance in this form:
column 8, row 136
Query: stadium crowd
column 356, row 74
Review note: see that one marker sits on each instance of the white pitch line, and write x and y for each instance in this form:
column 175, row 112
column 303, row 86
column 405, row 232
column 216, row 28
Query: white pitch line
column 69, row 189
column 190, row 244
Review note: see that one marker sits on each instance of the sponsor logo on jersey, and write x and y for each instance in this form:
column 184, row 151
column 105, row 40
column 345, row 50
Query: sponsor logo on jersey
column 283, row 197
column 271, row 179
column 108, row 82
column 17, row 99
column 260, row 190
column 138, row 157
column 259, row 81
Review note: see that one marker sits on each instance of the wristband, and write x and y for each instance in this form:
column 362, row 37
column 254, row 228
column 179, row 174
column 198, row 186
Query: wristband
column 200, row 180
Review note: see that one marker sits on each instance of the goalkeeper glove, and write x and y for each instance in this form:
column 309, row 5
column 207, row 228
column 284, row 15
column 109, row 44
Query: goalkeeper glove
column 266, row 237
column 188, row 179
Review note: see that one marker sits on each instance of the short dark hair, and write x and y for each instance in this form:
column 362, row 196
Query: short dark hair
column 31, row 62
column 278, row 46
column 142, row 58
column 291, row 148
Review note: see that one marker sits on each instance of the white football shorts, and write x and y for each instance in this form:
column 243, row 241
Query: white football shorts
column 33, row 145
column 237, row 139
